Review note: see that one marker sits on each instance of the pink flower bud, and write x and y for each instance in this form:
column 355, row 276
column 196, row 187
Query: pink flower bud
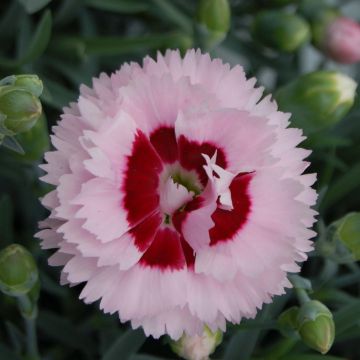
column 342, row 40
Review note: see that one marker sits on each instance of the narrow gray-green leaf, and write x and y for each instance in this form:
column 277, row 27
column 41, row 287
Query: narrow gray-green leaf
column 169, row 12
column 12, row 144
column 62, row 330
column 119, row 6
column 6, row 353
column 40, row 39
column 32, row 6
column 344, row 185
column 311, row 357
column 346, row 317
column 126, row 345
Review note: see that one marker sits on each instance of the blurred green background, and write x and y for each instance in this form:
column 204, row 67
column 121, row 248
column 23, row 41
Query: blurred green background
column 67, row 42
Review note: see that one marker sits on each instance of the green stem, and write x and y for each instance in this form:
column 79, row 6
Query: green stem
column 29, row 313
column 302, row 295
column 31, row 340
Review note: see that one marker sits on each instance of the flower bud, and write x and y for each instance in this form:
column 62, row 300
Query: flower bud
column 21, row 108
column 348, row 232
column 280, row 30
column 316, row 326
column 317, row 100
column 18, row 270
column 214, row 16
column 31, row 83
column 34, row 142
column 197, row 347
column 287, row 322
column 341, row 40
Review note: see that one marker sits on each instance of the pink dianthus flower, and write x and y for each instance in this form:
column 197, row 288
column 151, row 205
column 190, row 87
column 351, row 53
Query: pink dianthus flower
column 179, row 196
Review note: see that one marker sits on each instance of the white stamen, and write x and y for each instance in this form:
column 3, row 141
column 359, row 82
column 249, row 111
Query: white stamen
column 222, row 180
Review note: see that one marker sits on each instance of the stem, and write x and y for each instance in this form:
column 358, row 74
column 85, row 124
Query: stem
column 31, row 339
column 29, row 313
column 302, row 296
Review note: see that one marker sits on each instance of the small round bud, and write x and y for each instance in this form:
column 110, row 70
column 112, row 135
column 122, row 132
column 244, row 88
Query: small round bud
column 316, row 326
column 280, row 30
column 214, row 16
column 21, row 108
column 197, row 347
column 18, row 270
column 317, row 100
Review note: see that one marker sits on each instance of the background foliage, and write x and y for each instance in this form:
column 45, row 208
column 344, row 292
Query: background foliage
column 66, row 43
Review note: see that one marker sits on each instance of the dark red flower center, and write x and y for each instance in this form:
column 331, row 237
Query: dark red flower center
column 158, row 235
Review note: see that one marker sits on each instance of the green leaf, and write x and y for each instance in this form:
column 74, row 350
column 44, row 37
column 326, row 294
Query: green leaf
column 37, row 45
column 311, row 357
column 346, row 317
column 12, row 144
column 349, row 233
column 241, row 345
column 16, row 336
column 39, row 40
column 56, row 94
column 62, row 330
column 119, row 6
column 114, row 45
column 126, row 345
column 32, row 6
column 343, row 186
column 6, row 353
column 169, row 12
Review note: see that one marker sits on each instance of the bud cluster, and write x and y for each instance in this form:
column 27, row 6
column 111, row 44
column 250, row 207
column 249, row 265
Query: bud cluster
column 20, row 107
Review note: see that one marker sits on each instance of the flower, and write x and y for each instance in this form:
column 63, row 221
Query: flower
column 179, row 197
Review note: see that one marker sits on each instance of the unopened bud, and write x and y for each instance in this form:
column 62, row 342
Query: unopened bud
column 316, row 326
column 341, row 40
column 214, row 16
column 317, row 100
column 197, row 347
column 280, row 30
column 21, row 108
column 287, row 322
column 18, row 270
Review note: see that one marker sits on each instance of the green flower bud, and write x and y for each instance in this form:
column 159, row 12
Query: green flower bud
column 34, row 142
column 21, row 108
column 214, row 17
column 348, row 232
column 197, row 347
column 31, row 83
column 280, row 30
column 316, row 326
column 287, row 322
column 18, row 270
column 317, row 100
